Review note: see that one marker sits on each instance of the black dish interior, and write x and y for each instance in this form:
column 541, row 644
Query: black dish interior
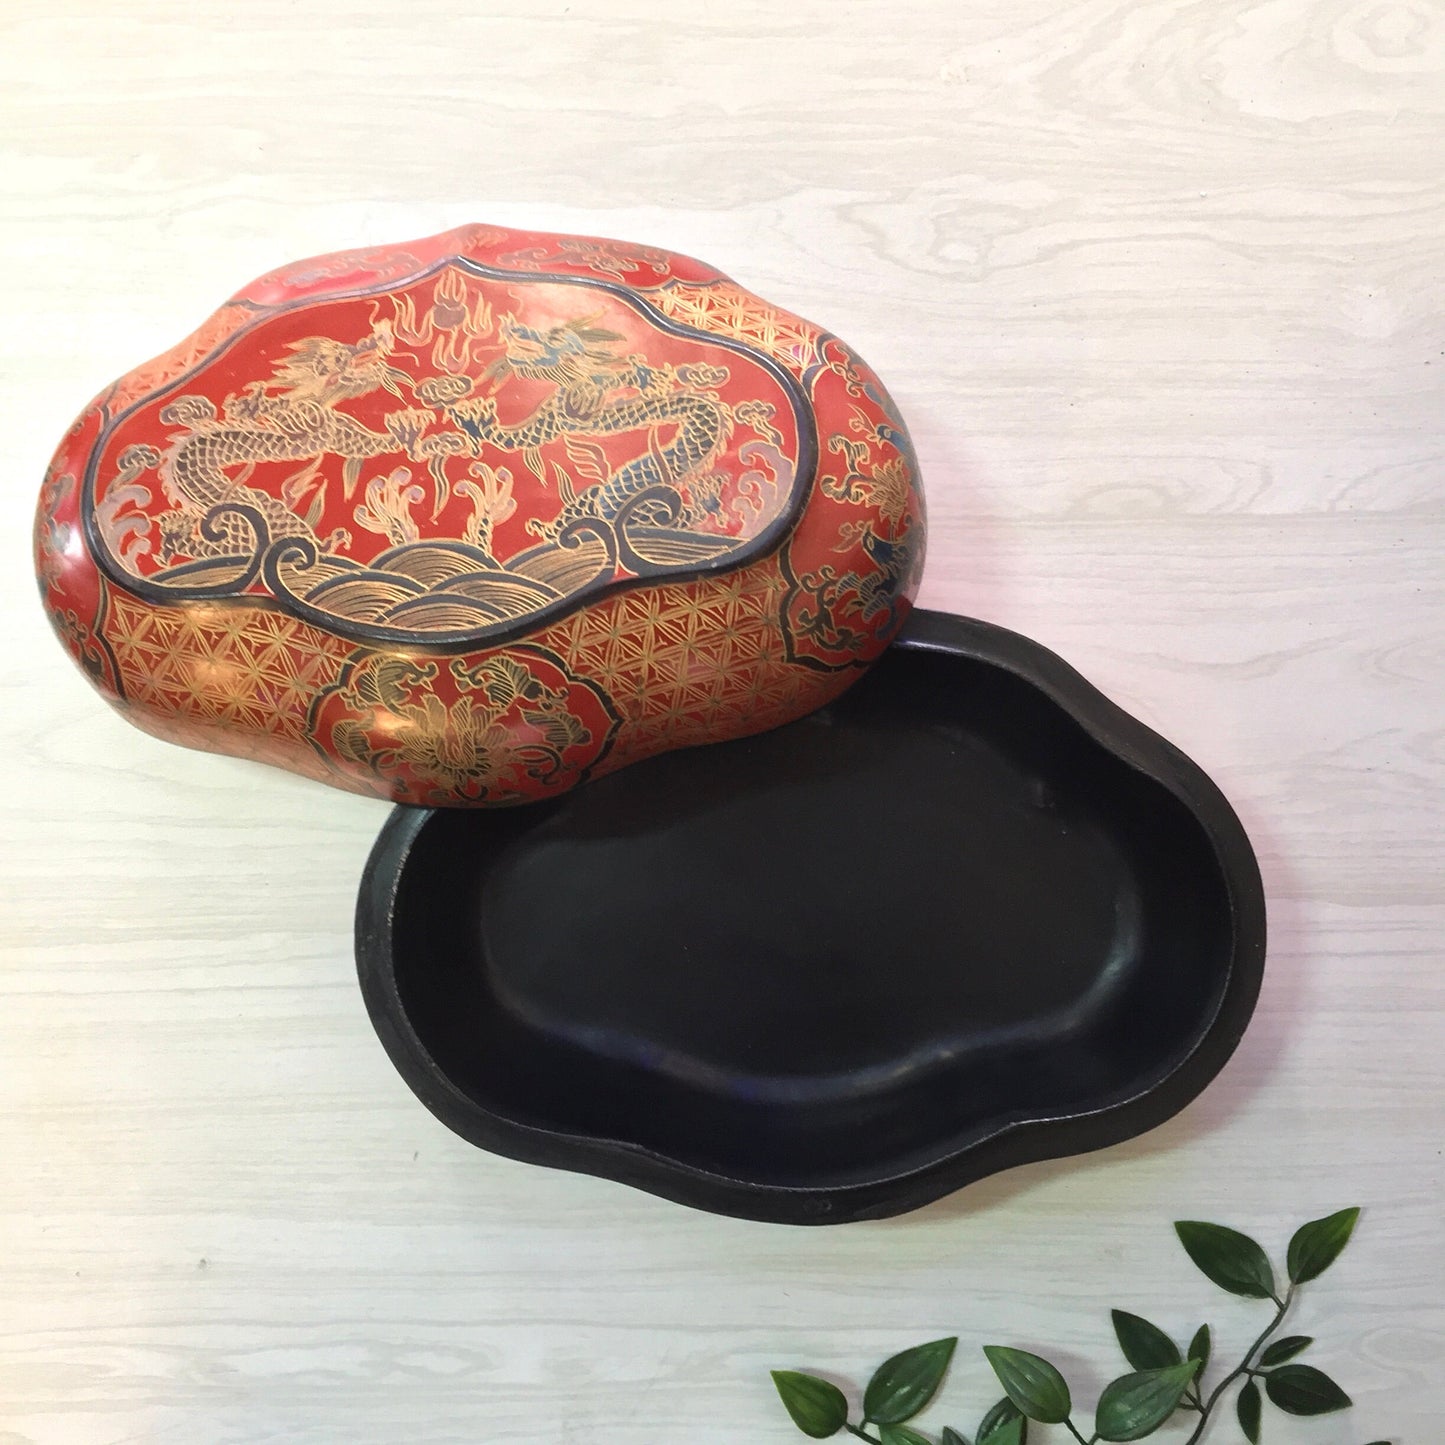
column 969, row 915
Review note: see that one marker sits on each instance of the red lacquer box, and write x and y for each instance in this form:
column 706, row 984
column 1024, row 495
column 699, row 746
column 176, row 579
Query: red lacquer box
column 472, row 519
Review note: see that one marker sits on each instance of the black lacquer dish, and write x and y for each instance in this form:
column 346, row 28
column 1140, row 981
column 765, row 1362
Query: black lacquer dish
column 969, row 916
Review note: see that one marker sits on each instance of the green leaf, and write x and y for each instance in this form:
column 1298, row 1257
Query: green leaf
column 1304, row 1390
column 1145, row 1346
column 951, row 1437
column 1231, row 1259
column 1247, row 1407
column 1033, row 1384
column 1285, row 1349
column 1136, row 1405
column 818, row 1408
column 902, row 1386
column 1317, row 1245
column 901, row 1435
column 1004, row 1413
column 1011, row 1432
column 1199, row 1349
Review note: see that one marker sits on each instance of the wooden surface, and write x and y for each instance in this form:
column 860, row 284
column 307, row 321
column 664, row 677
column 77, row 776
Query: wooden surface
column 1159, row 288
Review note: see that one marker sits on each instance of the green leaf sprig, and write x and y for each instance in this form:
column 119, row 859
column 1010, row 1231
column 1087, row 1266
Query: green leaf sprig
column 1164, row 1379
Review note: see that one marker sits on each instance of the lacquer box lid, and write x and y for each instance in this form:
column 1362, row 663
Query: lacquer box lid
column 472, row 519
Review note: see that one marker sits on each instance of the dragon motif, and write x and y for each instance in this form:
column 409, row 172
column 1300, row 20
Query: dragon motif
column 630, row 459
column 291, row 417
column 598, row 394
column 294, row 417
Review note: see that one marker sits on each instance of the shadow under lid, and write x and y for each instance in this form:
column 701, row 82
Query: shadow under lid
column 970, row 915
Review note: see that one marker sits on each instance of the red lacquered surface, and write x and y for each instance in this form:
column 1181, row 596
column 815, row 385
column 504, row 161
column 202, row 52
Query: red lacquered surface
column 468, row 520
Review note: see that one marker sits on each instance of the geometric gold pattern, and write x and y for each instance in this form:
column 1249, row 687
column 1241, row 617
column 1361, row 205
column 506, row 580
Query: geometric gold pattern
column 730, row 310
column 684, row 664
column 226, row 668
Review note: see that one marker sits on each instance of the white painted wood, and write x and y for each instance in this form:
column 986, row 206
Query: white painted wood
column 1158, row 284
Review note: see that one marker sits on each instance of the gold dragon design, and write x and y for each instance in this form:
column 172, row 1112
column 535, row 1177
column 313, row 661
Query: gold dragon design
column 220, row 527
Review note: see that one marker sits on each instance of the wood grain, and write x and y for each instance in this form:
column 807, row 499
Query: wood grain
column 1158, row 286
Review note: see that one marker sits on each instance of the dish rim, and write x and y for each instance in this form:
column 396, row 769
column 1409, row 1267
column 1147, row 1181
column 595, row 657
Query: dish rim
column 1012, row 1143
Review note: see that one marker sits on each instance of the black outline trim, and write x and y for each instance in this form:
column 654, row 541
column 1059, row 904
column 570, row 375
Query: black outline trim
column 767, row 541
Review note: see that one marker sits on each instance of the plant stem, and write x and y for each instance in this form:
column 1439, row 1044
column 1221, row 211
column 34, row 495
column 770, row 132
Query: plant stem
column 1073, row 1430
column 1243, row 1368
column 861, row 1433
